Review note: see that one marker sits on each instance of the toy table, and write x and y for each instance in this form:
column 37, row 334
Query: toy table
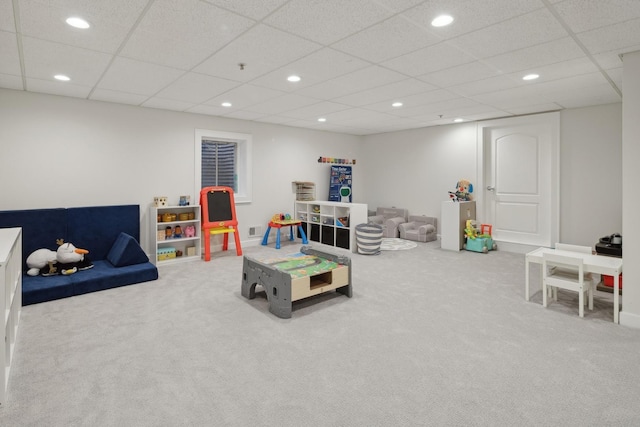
column 295, row 277
column 284, row 223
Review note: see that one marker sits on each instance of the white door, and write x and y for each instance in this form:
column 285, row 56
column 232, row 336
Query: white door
column 520, row 178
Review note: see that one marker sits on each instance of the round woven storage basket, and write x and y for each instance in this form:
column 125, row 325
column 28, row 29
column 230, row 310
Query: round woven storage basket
column 368, row 238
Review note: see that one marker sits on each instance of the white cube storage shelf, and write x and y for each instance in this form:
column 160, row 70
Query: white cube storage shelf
column 164, row 250
column 331, row 223
column 10, row 300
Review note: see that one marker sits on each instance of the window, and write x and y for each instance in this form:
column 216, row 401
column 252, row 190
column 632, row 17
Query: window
column 223, row 159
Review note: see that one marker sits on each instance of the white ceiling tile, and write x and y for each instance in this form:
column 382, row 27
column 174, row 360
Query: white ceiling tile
column 536, row 108
column 523, row 31
column 412, row 101
column 483, row 86
column 620, row 36
column 597, row 95
column 167, row 104
column 183, row 33
column 244, row 96
column 615, row 74
column 278, row 120
column 545, row 92
column 314, row 111
column 196, row 88
column 460, row 74
column 388, row 39
column 6, row 16
column 388, row 52
column 57, row 88
column 534, row 56
column 118, row 97
column 262, row 49
column 252, row 9
column 209, row 110
column 398, row 5
column 392, row 92
column 354, row 114
column 127, row 75
column 469, row 15
column 327, row 21
column 244, row 115
column 560, row 70
column 11, row 82
column 429, row 59
column 356, row 81
column 612, row 58
column 10, row 63
column 433, row 110
column 282, row 104
column 110, row 21
column 319, row 66
column 44, row 59
column 581, row 15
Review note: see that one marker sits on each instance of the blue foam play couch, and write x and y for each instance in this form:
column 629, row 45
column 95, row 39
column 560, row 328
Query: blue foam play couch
column 110, row 234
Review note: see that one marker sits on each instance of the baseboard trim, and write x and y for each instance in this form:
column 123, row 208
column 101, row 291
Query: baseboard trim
column 515, row 247
column 630, row 320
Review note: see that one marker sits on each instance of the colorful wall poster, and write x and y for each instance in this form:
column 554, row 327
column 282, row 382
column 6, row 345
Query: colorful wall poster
column 340, row 184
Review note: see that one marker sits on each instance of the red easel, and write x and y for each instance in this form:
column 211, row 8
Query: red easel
column 218, row 217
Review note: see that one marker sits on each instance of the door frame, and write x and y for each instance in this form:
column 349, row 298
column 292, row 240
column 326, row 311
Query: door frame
column 552, row 119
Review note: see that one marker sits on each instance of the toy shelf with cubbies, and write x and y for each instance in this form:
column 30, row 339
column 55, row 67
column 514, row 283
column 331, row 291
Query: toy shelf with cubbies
column 172, row 238
column 331, row 223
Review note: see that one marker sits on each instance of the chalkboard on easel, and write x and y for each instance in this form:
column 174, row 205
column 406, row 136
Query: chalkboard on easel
column 219, row 204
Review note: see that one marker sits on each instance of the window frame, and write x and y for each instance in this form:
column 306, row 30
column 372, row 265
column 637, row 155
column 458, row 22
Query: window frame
column 244, row 142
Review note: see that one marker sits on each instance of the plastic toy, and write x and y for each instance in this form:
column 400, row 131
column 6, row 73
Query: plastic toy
column 478, row 239
column 189, row 231
column 464, row 188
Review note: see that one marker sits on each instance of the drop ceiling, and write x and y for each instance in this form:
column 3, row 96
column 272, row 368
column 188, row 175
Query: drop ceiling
column 355, row 57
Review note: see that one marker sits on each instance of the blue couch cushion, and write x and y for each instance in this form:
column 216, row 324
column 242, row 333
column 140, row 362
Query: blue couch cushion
column 95, row 228
column 126, row 251
column 40, row 228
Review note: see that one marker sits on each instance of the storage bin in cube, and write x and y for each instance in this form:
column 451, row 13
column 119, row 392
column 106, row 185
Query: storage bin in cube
column 166, row 253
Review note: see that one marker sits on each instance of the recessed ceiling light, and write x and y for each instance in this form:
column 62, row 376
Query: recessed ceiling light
column 62, row 77
column 322, row 119
column 76, row 22
column 293, row 78
column 458, row 120
column 442, row 21
column 530, row 77
column 396, row 104
column 226, row 104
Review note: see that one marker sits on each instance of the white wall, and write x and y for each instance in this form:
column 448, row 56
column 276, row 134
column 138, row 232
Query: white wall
column 415, row 170
column 630, row 314
column 63, row 152
column 67, row 152
column 590, row 173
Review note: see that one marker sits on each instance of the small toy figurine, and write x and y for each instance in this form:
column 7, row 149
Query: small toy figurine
column 178, row 232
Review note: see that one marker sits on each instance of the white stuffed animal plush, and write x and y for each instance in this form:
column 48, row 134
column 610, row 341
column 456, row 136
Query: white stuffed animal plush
column 66, row 260
column 71, row 259
column 39, row 259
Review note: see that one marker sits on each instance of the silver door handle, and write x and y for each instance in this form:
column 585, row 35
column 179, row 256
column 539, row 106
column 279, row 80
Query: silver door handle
column 490, row 188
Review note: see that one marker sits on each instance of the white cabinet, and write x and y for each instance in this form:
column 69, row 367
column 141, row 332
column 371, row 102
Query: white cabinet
column 331, row 223
column 453, row 220
column 10, row 299
column 169, row 234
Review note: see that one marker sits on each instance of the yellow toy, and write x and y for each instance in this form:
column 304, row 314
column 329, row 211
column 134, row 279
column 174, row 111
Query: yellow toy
column 471, row 229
